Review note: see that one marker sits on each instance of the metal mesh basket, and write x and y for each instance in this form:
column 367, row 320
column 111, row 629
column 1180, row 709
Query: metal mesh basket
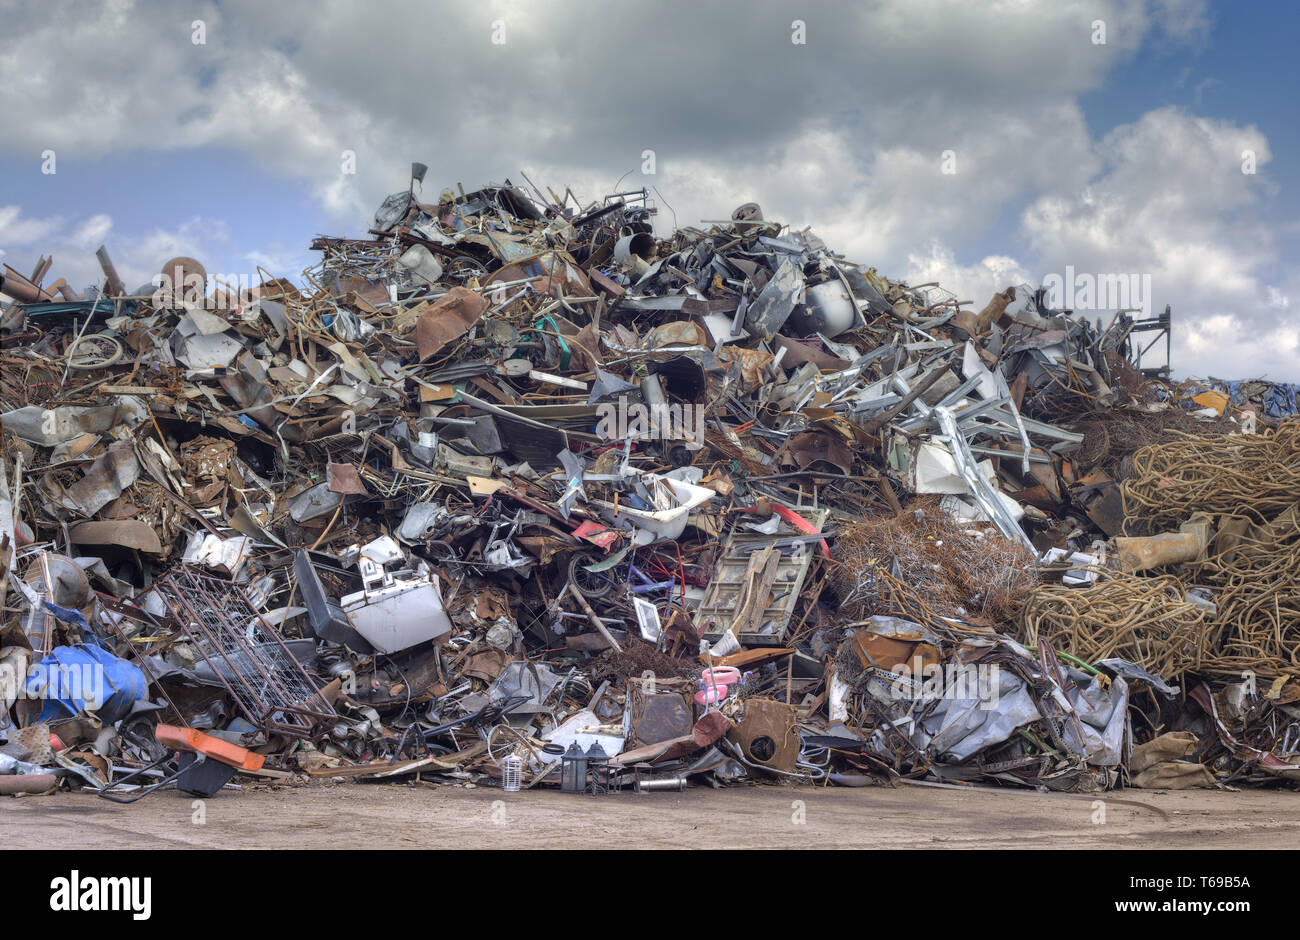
column 246, row 652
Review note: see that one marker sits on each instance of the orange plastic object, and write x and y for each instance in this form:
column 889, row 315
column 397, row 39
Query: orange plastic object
column 800, row 523
column 187, row 739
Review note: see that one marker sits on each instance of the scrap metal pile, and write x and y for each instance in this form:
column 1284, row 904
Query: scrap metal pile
column 515, row 493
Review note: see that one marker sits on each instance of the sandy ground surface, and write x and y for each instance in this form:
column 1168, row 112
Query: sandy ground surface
column 359, row 816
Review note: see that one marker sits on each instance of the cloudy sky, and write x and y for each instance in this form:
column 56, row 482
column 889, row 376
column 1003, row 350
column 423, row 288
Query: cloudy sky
column 976, row 144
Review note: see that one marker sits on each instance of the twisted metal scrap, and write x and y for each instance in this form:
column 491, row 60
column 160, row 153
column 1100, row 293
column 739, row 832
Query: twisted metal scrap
column 1147, row 621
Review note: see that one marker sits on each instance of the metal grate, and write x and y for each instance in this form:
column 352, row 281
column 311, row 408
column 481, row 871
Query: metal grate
column 342, row 445
column 247, row 654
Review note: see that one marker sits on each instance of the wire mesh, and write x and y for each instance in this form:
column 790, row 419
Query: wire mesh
column 247, row 654
column 512, row 769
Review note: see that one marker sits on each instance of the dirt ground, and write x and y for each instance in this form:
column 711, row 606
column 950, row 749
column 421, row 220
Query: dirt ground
column 359, row 816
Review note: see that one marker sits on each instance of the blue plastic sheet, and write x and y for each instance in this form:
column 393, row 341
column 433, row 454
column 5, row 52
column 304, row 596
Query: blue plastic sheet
column 1280, row 400
column 85, row 678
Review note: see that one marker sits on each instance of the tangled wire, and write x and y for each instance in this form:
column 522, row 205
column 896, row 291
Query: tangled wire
column 923, row 562
column 1256, row 475
column 1148, row 621
column 1113, row 435
column 1251, row 483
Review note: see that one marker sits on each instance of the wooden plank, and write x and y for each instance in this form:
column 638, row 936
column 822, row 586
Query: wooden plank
column 746, row 658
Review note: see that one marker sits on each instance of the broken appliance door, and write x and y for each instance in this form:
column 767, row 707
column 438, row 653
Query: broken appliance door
column 395, row 613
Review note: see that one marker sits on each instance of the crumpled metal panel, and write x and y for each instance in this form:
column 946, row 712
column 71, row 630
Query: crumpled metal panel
column 448, row 318
column 104, row 481
column 776, row 301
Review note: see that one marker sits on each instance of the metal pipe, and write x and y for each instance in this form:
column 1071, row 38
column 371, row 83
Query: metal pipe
column 64, row 289
column 661, row 783
column 21, row 289
column 115, row 286
column 639, row 243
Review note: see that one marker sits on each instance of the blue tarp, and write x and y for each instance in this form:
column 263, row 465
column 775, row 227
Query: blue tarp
column 1278, row 402
column 85, row 678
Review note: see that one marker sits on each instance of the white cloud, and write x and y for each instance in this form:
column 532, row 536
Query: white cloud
column 845, row 134
column 137, row 257
column 1226, row 347
column 974, row 283
column 1185, row 21
column 425, row 82
column 15, row 229
column 1173, row 203
column 1167, row 198
column 90, row 234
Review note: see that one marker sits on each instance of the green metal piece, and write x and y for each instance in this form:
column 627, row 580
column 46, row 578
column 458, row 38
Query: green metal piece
column 549, row 322
column 609, row 562
column 1079, row 662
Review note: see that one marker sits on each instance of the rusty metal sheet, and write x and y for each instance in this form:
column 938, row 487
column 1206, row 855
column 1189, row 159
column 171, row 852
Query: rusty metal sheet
column 604, row 283
column 799, row 351
column 548, row 268
column 752, row 363
column 655, row 717
column 448, row 318
column 767, row 734
column 810, row 448
column 886, row 652
column 343, row 478
column 1105, row 505
column 129, row 533
column 678, row 333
